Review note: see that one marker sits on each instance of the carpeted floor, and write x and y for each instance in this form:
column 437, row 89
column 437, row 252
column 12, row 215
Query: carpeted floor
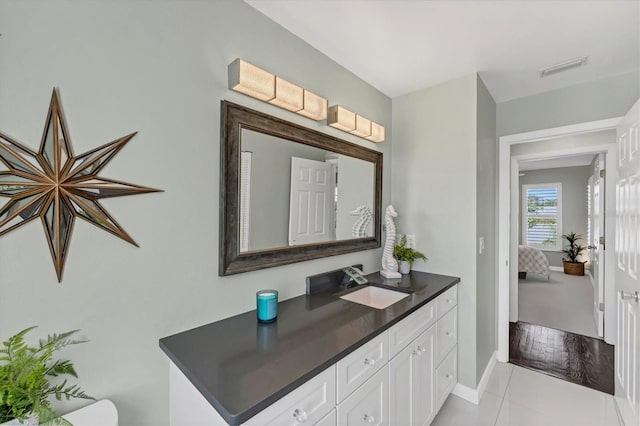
column 563, row 302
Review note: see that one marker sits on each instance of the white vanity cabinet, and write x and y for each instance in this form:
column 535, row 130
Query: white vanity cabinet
column 400, row 377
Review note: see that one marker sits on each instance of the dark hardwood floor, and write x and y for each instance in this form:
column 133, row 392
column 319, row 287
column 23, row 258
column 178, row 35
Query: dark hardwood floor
column 572, row 357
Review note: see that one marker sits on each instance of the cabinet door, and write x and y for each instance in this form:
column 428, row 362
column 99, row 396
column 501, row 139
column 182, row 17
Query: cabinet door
column 412, row 382
column 369, row 405
column 423, row 381
column 401, row 372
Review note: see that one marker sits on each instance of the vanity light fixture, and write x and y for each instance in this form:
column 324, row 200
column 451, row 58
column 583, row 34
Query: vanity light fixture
column 363, row 127
column 377, row 133
column 350, row 122
column 260, row 84
column 251, row 80
column 563, row 66
column 341, row 118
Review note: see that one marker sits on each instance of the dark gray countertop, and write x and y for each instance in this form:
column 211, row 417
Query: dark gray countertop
column 241, row 367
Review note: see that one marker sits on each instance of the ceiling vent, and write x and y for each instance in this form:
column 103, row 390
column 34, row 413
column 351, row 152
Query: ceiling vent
column 563, row 66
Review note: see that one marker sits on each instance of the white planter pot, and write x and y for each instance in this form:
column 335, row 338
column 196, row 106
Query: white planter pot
column 404, row 267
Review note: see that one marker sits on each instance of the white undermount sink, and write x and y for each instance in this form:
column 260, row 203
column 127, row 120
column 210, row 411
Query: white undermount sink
column 375, row 297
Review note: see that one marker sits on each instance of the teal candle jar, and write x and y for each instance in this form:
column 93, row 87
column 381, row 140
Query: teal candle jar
column 267, row 305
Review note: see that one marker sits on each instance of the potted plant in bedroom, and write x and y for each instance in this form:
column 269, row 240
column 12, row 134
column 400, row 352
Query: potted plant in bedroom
column 406, row 255
column 25, row 374
column 571, row 265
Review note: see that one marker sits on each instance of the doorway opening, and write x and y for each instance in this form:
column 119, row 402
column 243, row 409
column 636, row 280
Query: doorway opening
column 529, row 146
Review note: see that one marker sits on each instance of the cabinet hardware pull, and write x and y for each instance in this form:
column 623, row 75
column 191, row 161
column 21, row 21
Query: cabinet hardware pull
column 369, row 362
column 448, row 300
column 448, row 333
column 449, row 376
column 299, row 415
column 369, row 419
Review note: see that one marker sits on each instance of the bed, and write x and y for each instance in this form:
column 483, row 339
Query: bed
column 531, row 259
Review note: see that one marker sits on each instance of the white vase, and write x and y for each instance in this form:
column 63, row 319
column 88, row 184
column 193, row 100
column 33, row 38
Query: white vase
column 404, row 267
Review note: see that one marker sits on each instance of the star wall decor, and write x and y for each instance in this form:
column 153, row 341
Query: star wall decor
column 58, row 186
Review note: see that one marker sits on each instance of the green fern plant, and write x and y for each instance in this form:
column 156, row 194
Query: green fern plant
column 25, row 372
column 403, row 253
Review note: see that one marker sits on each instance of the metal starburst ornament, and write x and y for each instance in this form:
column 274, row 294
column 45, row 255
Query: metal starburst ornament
column 58, row 186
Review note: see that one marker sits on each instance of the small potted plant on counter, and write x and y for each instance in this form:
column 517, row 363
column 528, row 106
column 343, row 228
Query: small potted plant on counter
column 25, row 372
column 571, row 265
column 406, row 255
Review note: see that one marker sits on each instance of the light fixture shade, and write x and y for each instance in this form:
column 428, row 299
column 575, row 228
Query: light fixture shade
column 341, row 118
column 363, row 127
column 315, row 107
column 251, row 80
column 377, row 133
column 288, row 95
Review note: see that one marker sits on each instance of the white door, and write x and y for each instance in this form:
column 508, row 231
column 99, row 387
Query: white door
column 312, row 202
column 627, row 248
column 595, row 248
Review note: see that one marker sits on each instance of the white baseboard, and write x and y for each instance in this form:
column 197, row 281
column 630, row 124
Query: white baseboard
column 556, row 268
column 474, row 395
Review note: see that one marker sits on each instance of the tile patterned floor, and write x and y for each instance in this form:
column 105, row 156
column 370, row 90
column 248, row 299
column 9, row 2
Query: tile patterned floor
column 517, row 396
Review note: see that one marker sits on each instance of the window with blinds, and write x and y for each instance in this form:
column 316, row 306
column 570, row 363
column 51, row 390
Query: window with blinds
column 542, row 216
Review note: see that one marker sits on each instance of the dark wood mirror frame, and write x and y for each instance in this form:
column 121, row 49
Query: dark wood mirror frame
column 233, row 119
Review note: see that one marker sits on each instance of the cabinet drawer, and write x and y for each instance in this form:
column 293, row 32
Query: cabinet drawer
column 446, row 377
column 354, row 369
column 403, row 333
column 446, row 301
column 446, row 334
column 369, row 405
column 309, row 403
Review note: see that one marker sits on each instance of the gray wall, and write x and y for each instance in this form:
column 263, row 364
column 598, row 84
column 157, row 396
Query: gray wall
column 596, row 100
column 434, row 192
column 486, row 189
column 158, row 67
column 574, row 201
column 271, row 186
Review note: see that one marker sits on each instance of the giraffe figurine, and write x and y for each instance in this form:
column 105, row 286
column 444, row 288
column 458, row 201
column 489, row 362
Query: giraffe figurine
column 389, row 263
column 359, row 229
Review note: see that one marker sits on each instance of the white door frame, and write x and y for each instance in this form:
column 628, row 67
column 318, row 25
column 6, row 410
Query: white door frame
column 508, row 184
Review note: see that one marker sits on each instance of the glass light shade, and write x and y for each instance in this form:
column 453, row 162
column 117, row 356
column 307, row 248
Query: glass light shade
column 363, row 127
column 341, row 118
column 377, row 132
column 288, row 95
column 251, row 80
column 315, row 107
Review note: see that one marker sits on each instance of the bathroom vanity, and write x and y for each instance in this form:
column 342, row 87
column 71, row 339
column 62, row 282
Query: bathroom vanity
column 325, row 361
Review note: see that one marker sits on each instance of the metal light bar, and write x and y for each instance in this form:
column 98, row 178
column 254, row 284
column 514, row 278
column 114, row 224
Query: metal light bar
column 563, row 66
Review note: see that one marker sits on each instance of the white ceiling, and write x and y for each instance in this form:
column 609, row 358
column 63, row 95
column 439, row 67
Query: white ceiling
column 400, row 46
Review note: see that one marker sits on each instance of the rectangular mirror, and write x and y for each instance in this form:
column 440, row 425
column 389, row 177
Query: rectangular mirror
column 289, row 193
